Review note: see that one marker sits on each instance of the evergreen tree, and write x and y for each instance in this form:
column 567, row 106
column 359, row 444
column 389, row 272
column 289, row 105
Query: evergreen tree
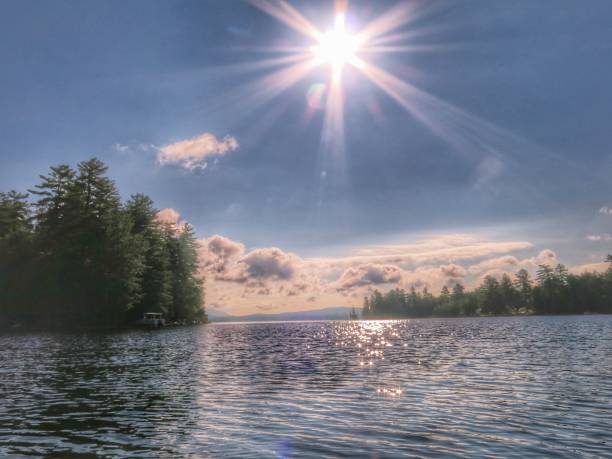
column 154, row 240
column 492, row 297
column 15, row 255
column 524, row 287
column 557, row 292
column 365, row 312
column 510, row 297
column 188, row 294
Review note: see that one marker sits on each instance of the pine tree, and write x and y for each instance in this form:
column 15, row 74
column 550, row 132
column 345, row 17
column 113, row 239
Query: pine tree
column 156, row 282
column 525, row 289
column 15, row 255
column 188, row 292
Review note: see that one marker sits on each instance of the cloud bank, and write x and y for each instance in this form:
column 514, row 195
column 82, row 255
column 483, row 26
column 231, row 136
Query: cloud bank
column 240, row 280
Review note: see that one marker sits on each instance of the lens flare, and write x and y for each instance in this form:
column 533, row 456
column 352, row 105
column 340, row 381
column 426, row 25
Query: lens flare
column 336, row 47
column 394, row 31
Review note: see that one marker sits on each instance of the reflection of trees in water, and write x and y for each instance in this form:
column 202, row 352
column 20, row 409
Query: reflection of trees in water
column 101, row 392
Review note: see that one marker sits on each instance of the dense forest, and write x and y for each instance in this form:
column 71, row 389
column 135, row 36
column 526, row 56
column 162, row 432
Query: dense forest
column 72, row 254
column 554, row 291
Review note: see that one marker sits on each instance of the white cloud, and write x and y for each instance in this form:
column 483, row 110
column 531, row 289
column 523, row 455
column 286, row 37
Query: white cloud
column 368, row 274
column 121, row 148
column 546, row 257
column 605, row 210
column 193, row 153
column 599, row 237
column 168, row 216
column 240, row 278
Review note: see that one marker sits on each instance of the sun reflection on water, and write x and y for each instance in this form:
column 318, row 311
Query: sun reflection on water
column 370, row 340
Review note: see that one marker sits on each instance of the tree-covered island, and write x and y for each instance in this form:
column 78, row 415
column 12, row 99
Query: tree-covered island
column 73, row 255
column 554, row 291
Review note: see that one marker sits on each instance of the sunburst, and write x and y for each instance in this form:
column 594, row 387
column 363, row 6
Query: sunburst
column 338, row 47
column 389, row 33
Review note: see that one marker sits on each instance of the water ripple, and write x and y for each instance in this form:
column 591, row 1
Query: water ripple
column 499, row 387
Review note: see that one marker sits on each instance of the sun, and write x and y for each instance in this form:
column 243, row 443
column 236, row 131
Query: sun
column 336, row 47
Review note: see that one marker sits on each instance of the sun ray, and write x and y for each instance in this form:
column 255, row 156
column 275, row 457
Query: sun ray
column 332, row 135
column 470, row 136
column 394, row 31
column 396, row 17
column 255, row 94
column 258, row 65
column 287, row 14
column 338, row 47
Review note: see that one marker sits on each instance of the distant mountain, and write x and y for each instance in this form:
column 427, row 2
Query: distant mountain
column 340, row 313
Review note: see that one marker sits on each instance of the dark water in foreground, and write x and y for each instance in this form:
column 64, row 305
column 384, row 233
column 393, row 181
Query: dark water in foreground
column 498, row 387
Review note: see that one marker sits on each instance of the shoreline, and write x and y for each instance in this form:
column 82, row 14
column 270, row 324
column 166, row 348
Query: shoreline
column 84, row 329
column 96, row 330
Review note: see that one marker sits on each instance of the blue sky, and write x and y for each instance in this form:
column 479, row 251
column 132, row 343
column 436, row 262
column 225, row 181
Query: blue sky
column 523, row 154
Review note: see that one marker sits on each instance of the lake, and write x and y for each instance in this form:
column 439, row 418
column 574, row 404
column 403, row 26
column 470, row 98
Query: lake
column 496, row 387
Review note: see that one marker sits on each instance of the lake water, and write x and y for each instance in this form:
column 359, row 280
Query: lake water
column 497, row 387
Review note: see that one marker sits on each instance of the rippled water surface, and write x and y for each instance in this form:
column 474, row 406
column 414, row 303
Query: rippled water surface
column 498, row 387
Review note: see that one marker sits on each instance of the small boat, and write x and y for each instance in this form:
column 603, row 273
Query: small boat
column 152, row 319
column 353, row 315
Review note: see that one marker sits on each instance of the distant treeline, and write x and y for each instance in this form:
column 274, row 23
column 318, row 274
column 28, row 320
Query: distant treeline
column 75, row 255
column 554, row 291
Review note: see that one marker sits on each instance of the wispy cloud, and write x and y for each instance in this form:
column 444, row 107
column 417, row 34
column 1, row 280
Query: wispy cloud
column 590, row 267
column 193, row 153
column 599, row 237
column 121, row 148
column 436, row 249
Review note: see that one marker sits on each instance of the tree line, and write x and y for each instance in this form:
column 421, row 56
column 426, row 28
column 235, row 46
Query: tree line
column 553, row 291
column 72, row 254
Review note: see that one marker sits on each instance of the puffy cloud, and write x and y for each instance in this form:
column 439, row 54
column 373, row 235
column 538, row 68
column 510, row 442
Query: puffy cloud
column 546, row 257
column 232, row 271
column 248, row 278
column 368, row 274
column 193, row 152
column 168, row 216
column 171, row 219
column 453, row 270
column 270, row 263
column 263, row 264
column 605, row 210
column 217, row 252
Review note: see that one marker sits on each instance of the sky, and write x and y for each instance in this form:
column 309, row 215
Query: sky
column 460, row 138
